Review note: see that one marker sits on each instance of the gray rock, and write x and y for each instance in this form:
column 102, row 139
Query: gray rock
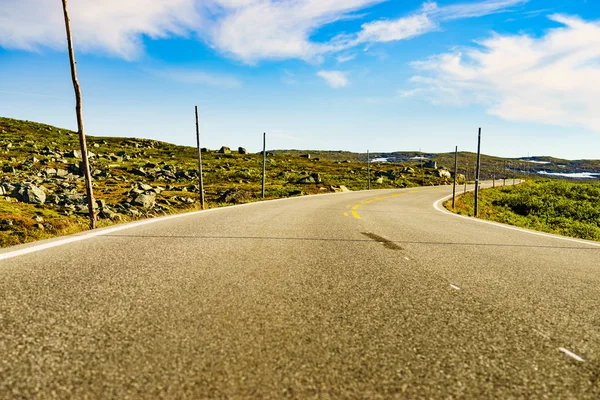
column 73, row 154
column 225, row 150
column 306, row 181
column 33, row 194
column 379, row 180
column 234, row 196
column 138, row 172
column 316, row 177
column 442, row 173
column 242, row 150
column 145, row 200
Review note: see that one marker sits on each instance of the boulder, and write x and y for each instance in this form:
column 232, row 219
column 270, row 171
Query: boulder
column 225, row 150
column 242, row 150
column 138, row 171
column 234, row 196
column 306, row 181
column 145, row 200
column 32, row 194
column 73, row 154
column 316, row 177
column 145, row 187
column 442, row 173
column 379, row 180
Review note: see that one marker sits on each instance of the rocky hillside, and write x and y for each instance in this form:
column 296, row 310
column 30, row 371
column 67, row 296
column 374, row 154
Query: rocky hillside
column 42, row 186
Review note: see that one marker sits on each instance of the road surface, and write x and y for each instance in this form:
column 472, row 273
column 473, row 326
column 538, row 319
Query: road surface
column 363, row 295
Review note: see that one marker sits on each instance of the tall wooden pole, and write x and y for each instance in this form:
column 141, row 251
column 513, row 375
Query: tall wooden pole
column 200, row 178
column 264, row 169
column 80, row 131
column 466, row 177
column 477, row 170
column 369, row 169
column 455, row 172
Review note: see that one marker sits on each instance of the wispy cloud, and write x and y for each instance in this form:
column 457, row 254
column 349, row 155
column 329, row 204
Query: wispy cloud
column 343, row 58
column 33, row 94
column 196, row 77
column 248, row 30
column 553, row 79
column 335, row 79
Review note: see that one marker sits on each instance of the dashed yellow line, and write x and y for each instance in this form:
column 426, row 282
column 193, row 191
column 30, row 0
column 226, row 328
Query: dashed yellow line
column 345, row 214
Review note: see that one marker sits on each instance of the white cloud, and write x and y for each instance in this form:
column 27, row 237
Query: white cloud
column 552, row 79
column 343, row 58
column 196, row 77
column 335, row 79
column 110, row 26
column 248, row 30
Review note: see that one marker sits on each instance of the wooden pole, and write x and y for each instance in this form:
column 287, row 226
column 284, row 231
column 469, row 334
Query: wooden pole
column 200, row 177
column 264, row 170
column 80, row 131
column 466, row 177
column 455, row 171
column 369, row 169
column 477, row 170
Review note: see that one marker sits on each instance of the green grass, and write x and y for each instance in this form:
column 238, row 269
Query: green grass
column 560, row 207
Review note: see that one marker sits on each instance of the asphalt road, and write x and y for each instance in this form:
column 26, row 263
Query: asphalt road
column 360, row 295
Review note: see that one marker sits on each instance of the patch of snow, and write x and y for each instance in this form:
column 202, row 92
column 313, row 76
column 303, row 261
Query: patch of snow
column 379, row 160
column 536, row 162
column 574, row 175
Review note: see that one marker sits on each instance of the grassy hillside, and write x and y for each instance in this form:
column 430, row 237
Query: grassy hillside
column 561, row 207
column 42, row 189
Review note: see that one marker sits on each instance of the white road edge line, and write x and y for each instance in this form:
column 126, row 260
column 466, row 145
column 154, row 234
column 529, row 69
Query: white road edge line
column 571, row 354
column 437, row 205
column 105, row 231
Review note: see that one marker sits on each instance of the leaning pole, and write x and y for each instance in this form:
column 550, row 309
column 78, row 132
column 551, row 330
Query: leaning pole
column 80, row 131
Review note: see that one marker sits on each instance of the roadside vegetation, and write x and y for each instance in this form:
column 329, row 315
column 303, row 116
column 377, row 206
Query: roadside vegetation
column 554, row 206
column 42, row 187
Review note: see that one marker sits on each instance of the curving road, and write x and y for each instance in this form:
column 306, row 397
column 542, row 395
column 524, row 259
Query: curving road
column 358, row 295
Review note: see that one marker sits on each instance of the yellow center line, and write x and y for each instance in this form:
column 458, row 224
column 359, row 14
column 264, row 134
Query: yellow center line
column 354, row 213
column 355, row 207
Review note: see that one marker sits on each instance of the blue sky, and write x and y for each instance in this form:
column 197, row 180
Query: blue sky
column 315, row 74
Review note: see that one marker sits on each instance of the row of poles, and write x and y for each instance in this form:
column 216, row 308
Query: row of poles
column 200, row 175
column 84, row 154
column 477, row 170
